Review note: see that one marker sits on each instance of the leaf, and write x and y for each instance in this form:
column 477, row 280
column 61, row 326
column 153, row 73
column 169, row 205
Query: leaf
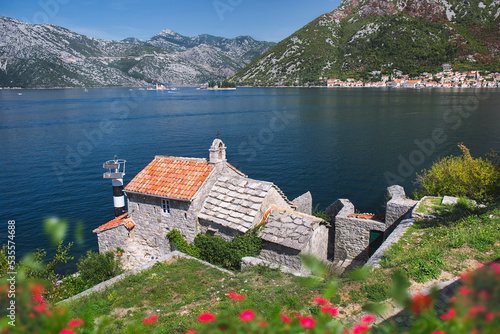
column 399, row 288
column 360, row 274
column 375, row 308
column 316, row 267
column 331, row 289
column 79, row 233
column 55, row 229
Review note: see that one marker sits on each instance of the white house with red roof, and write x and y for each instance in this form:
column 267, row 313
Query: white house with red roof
column 211, row 196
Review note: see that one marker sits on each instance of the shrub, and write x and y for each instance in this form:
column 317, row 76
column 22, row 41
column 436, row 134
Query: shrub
column 477, row 179
column 36, row 266
column 228, row 254
column 178, row 241
column 98, row 267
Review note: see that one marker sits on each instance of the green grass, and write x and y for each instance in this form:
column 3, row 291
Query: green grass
column 431, row 246
column 428, row 205
column 182, row 290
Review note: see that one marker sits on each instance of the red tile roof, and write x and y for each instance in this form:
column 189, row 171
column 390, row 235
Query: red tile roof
column 123, row 219
column 171, row 177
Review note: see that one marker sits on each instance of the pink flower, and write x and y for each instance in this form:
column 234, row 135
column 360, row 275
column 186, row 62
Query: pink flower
column 190, row 331
column 247, row 315
column 489, row 317
column 320, row 301
column 67, row 331
column 206, row 317
column 40, row 308
column 330, row 309
column 360, row 329
column 285, row 318
column 150, row 320
column 465, row 291
column 451, row 313
column 236, row 296
column 437, row 332
column 75, row 323
column 307, row 322
column 368, row 319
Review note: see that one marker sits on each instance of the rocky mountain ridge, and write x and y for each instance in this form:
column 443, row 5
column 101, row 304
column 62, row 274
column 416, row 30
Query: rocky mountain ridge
column 44, row 56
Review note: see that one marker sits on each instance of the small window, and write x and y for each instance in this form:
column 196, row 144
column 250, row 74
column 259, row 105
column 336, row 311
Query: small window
column 165, row 206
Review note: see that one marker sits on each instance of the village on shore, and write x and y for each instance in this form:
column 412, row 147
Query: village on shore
column 445, row 79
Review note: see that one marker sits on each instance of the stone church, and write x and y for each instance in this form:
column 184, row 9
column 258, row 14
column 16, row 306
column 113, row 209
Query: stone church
column 210, row 196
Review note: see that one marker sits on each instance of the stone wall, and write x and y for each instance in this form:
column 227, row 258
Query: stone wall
column 318, row 244
column 304, row 203
column 112, row 239
column 352, row 237
column 285, row 256
column 397, row 208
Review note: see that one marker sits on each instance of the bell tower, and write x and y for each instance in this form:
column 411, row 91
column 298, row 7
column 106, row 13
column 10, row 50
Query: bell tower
column 217, row 152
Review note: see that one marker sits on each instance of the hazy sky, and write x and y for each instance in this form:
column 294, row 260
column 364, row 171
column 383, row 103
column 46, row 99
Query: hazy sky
column 270, row 20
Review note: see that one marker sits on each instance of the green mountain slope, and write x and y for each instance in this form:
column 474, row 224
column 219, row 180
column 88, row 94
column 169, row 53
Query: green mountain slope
column 362, row 36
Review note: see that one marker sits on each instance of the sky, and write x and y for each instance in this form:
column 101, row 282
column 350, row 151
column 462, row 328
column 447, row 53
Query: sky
column 265, row 20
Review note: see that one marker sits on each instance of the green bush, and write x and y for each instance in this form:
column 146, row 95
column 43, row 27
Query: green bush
column 218, row 251
column 98, row 267
column 178, row 241
column 225, row 253
column 476, row 179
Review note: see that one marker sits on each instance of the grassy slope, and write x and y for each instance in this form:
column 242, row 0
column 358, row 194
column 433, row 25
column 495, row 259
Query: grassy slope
column 430, row 251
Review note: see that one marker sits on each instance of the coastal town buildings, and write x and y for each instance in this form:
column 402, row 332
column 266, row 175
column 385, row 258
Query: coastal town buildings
column 445, row 79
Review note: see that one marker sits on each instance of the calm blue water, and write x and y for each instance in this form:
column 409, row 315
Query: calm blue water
column 336, row 143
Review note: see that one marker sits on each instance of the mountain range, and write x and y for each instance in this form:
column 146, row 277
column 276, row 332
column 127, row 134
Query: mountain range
column 361, row 37
column 46, row 56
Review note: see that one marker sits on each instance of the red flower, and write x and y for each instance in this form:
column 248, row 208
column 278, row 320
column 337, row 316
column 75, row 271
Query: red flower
column 451, row 313
column 465, row 291
column 360, row 329
column 67, row 331
column 151, row 319
column 262, row 324
column 437, row 332
column 206, row 317
column 285, row 318
column 368, row 319
column 298, row 315
column 489, row 317
column 31, row 315
column 320, row 301
column 330, row 309
column 307, row 322
column 190, row 331
column 37, row 290
column 236, row 296
column 420, row 303
column 40, row 308
column 76, row 323
column 247, row 315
